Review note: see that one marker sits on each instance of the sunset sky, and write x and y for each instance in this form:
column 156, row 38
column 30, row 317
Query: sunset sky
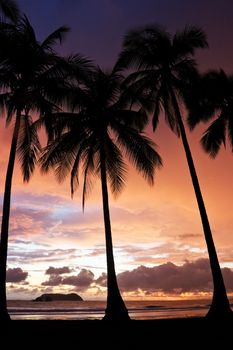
column 159, row 244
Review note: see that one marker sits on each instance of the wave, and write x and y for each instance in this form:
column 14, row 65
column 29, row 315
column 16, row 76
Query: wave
column 139, row 310
column 147, row 308
column 161, row 307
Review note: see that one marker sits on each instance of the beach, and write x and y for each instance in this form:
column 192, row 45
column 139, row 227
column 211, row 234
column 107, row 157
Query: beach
column 183, row 333
column 177, row 324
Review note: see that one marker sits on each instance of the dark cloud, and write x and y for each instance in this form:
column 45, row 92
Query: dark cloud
column 57, row 270
column 54, row 280
column 170, row 278
column 82, row 281
column 16, row 275
column 102, row 280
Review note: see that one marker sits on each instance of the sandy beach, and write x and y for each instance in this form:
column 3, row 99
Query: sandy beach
column 190, row 333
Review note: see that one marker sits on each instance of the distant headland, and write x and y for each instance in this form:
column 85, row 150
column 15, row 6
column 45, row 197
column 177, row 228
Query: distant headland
column 58, row 296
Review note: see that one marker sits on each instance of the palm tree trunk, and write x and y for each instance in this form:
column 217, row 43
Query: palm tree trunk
column 220, row 306
column 116, row 309
column 5, row 221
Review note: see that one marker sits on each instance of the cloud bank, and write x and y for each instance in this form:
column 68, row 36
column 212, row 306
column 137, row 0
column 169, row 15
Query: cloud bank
column 168, row 278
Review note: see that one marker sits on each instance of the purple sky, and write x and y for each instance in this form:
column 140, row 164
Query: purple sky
column 99, row 25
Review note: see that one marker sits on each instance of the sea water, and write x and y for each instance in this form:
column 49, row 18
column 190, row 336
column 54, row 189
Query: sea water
column 90, row 310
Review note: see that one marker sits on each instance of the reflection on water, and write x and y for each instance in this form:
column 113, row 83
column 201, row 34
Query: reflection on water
column 76, row 310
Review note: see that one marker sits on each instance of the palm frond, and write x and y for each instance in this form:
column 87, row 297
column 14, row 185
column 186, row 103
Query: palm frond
column 10, row 9
column 115, row 166
column 81, row 67
column 11, row 110
column 88, row 169
column 28, row 147
column 135, row 119
column 139, row 47
column 141, row 152
column 83, row 150
column 207, row 96
column 55, row 37
column 26, row 31
column 185, row 42
column 157, row 108
column 214, row 136
column 74, row 179
column 60, row 155
column 169, row 112
column 4, row 98
column 230, row 131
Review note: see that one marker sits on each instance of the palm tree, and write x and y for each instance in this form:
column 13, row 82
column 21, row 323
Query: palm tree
column 9, row 10
column 95, row 137
column 32, row 80
column 165, row 71
column 213, row 98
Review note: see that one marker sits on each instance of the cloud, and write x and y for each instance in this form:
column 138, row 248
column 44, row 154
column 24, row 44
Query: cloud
column 29, row 221
column 170, row 278
column 161, row 252
column 20, row 241
column 102, row 280
column 189, row 236
column 82, row 281
column 54, row 280
column 40, row 255
column 16, row 275
column 57, row 270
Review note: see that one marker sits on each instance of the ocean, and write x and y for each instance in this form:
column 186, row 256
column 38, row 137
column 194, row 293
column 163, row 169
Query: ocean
column 90, row 310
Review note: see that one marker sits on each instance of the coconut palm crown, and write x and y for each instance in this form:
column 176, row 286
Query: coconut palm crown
column 96, row 137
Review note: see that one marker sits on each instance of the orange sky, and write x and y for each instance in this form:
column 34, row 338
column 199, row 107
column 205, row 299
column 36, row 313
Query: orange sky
column 152, row 226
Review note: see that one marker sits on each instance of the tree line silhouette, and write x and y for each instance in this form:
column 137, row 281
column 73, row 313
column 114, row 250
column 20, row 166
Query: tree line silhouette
column 94, row 119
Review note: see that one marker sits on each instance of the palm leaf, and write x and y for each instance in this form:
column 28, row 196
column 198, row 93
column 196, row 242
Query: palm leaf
column 115, row 166
column 140, row 150
column 186, row 41
column 55, row 37
column 214, row 136
column 10, row 9
column 88, row 168
column 28, row 147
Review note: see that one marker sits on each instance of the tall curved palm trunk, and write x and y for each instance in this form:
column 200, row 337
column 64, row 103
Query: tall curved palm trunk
column 116, row 309
column 220, row 306
column 5, row 221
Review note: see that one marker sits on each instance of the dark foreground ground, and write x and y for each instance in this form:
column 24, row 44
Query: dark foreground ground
column 190, row 333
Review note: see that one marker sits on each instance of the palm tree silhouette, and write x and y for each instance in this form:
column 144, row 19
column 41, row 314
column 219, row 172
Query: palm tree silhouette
column 94, row 138
column 212, row 98
column 31, row 81
column 165, row 70
column 9, row 10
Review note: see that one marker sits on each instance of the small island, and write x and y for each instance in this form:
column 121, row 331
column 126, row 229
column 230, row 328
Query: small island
column 59, row 297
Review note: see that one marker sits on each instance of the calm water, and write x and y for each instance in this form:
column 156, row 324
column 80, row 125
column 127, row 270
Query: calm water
column 76, row 310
